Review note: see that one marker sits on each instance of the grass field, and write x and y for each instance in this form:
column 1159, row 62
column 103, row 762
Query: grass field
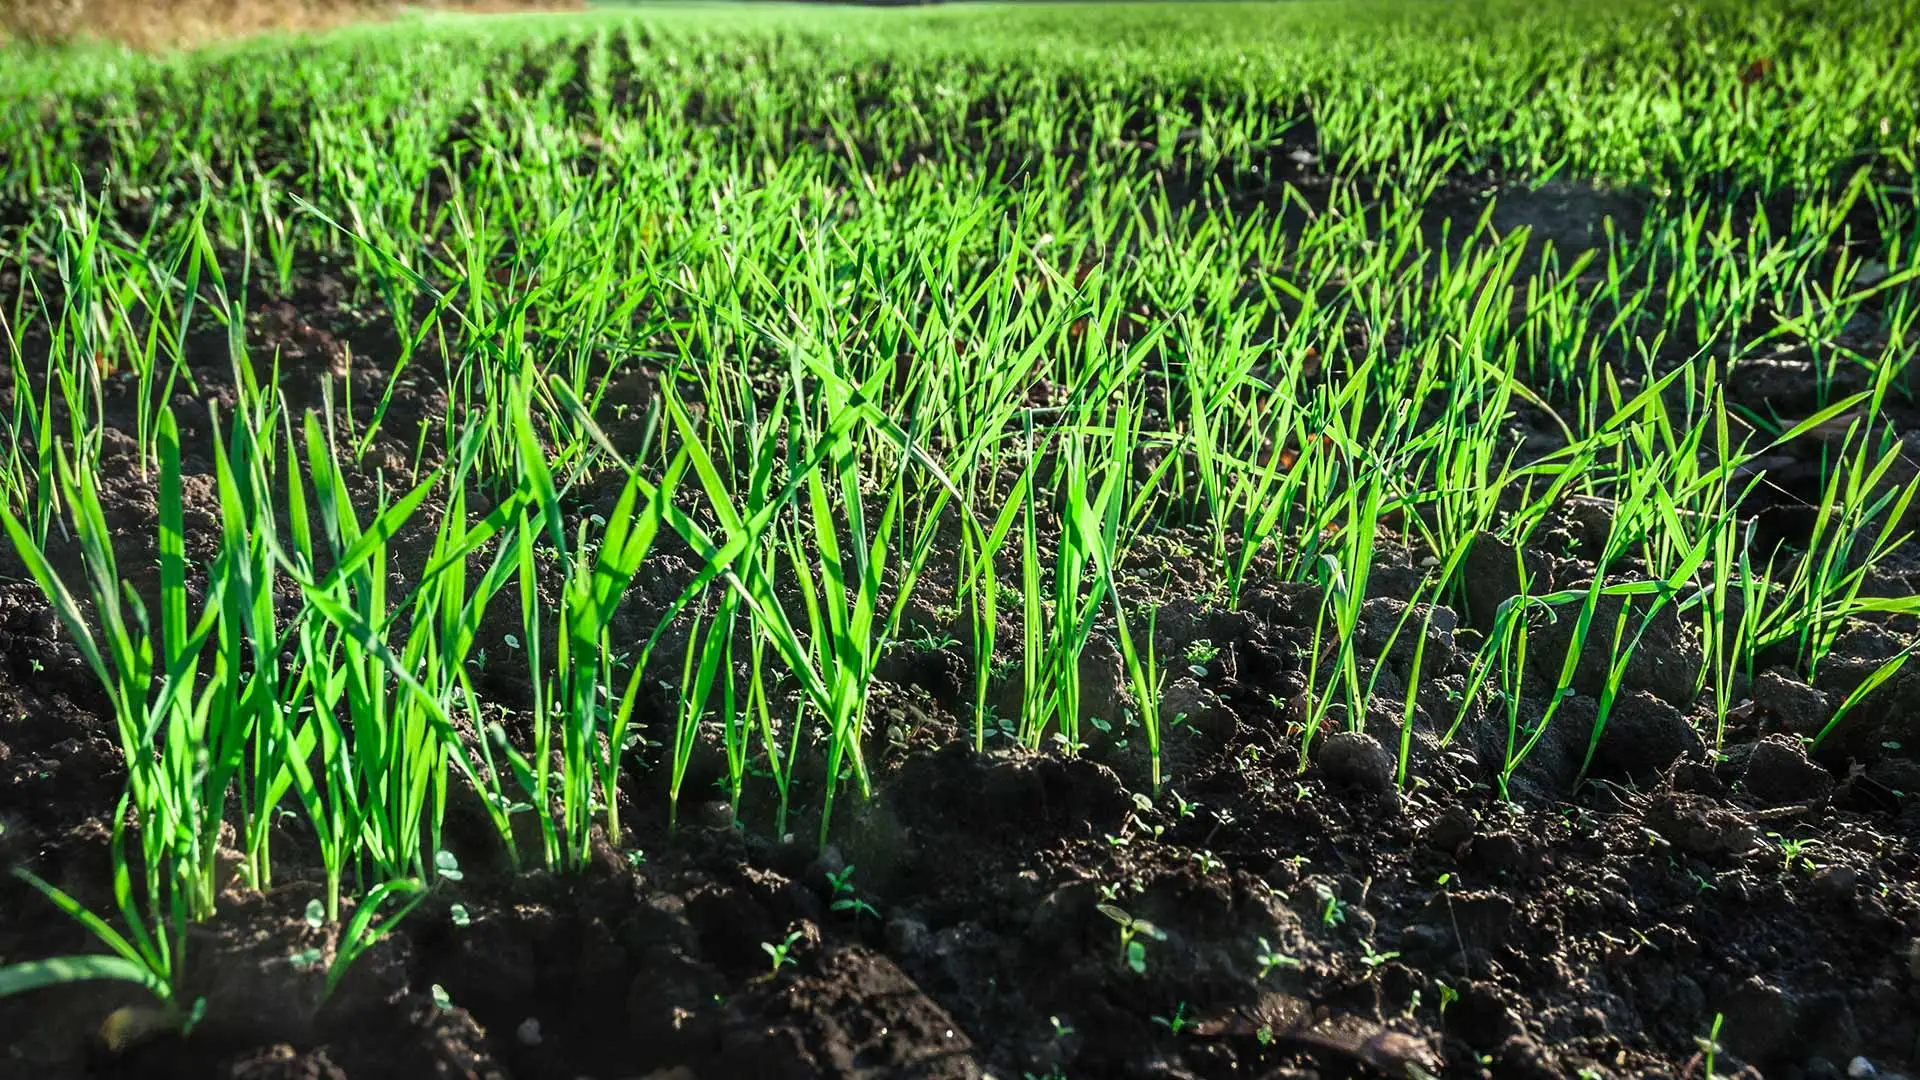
column 1188, row 540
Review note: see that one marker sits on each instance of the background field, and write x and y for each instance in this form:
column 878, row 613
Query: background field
column 1082, row 540
column 169, row 24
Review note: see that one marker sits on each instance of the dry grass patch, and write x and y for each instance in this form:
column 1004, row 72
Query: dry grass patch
column 169, row 23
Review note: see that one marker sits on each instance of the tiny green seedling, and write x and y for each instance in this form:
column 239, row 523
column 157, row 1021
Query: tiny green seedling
column 1793, row 853
column 1178, row 1022
column 1373, row 959
column 927, row 640
column 1201, row 653
column 1333, row 910
column 781, row 954
column 1133, row 951
column 1709, row 1044
column 1269, row 958
column 1071, row 748
column 844, row 896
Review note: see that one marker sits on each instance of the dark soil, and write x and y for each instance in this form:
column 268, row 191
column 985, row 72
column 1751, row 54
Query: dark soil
column 1441, row 928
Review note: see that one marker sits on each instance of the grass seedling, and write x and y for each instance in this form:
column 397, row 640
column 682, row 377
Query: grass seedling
column 1875, row 679
column 148, row 959
column 360, row 933
column 1710, row 1048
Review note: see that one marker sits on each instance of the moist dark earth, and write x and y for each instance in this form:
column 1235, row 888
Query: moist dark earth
column 1307, row 922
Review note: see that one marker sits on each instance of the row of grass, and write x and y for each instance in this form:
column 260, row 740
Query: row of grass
column 1006, row 297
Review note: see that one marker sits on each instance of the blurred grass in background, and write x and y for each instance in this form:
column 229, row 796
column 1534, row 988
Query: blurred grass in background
column 164, row 23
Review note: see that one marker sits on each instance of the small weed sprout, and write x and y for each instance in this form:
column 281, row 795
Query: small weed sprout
column 1269, row 958
column 781, row 954
column 1373, row 959
column 1333, row 910
column 1178, row 1022
column 1201, row 654
column 1133, row 951
column 844, row 897
column 926, row 640
column 1793, row 854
